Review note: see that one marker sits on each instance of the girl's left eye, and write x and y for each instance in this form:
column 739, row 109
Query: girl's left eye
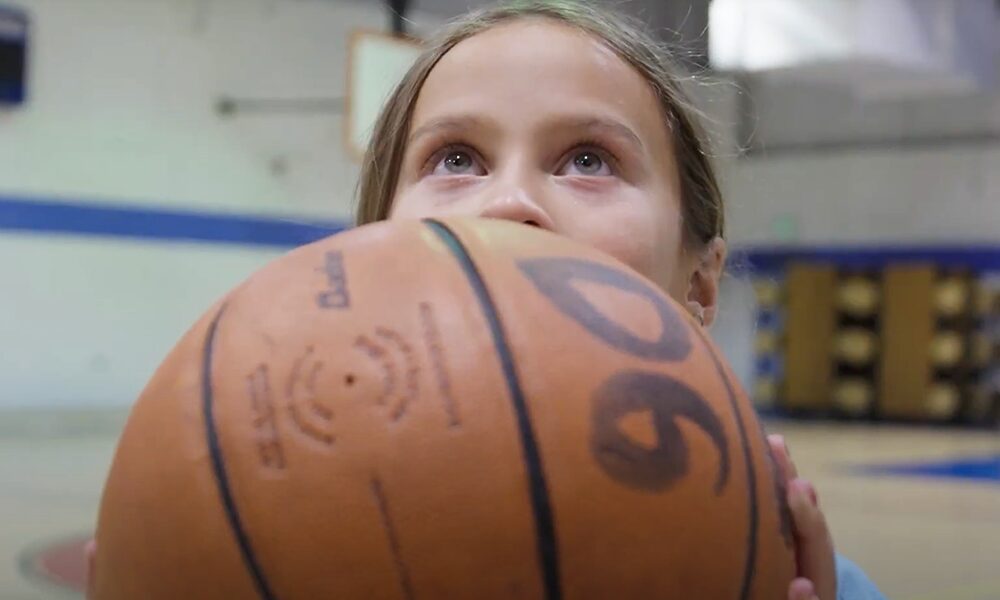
column 589, row 163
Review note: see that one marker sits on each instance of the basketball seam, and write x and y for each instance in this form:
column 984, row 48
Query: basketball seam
column 545, row 536
column 219, row 467
column 754, row 516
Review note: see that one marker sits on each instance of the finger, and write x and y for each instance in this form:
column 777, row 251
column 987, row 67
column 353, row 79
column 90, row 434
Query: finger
column 814, row 544
column 802, row 589
column 779, row 449
column 90, row 552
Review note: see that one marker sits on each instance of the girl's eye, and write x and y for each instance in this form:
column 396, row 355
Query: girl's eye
column 457, row 162
column 588, row 163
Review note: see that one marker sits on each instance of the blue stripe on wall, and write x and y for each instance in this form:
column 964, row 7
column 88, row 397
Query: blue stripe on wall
column 135, row 222
column 61, row 217
column 977, row 257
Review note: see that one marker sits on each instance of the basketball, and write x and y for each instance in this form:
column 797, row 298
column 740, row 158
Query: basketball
column 946, row 349
column 853, row 395
column 858, row 296
column 951, row 296
column 443, row 409
column 855, row 346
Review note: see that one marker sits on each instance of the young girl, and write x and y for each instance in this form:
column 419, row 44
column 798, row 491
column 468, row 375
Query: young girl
column 565, row 117
column 562, row 116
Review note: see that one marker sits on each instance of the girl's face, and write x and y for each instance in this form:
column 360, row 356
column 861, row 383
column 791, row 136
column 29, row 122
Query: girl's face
column 540, row 123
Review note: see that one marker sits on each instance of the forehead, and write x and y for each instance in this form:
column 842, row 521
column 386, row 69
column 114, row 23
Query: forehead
column 533, row 69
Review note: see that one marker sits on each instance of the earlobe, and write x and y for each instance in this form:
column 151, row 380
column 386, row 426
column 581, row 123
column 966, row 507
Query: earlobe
column 703, row 289
column 697, row 311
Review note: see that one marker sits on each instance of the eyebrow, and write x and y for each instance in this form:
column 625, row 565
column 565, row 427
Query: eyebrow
column 445, row 125
column 605, row 125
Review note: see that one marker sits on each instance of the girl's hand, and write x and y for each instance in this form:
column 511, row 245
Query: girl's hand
column 817, row 568
column 89, row 550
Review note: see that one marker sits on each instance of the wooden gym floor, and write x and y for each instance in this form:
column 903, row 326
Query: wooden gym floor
column 917, row 508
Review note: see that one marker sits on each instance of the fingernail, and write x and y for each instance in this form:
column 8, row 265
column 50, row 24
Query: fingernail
column 811, row 493
column 804, row 488
column 784, row 444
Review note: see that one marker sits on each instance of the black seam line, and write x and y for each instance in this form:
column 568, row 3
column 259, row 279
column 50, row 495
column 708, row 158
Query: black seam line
column 545, row 535
column 219, row 467
column 751, row 551
column 389, row 527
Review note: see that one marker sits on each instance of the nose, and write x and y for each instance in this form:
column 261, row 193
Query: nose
column 518, row 206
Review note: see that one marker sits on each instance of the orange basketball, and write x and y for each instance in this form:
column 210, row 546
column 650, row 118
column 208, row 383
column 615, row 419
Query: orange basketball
column 443, row 409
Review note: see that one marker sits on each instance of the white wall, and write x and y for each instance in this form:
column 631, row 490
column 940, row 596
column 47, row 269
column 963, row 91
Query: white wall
column 834, row 168
column 85, row 322
column 123, row 93
column 846, row 168
column 868, row 197
column 122, row 109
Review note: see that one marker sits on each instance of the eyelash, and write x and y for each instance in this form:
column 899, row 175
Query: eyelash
column 580, row 146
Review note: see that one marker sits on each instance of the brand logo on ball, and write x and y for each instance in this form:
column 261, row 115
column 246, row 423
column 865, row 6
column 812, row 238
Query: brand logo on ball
column 336, row 295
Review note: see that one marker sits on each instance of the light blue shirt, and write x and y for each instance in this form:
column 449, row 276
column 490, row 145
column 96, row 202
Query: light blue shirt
column 853, row 584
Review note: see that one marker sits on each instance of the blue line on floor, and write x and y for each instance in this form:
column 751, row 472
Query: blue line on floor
column 973, row 468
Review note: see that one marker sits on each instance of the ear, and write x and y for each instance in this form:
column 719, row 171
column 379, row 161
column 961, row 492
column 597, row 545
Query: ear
column 703, row 286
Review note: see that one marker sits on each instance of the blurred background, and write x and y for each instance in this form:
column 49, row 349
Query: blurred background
column 153, row 153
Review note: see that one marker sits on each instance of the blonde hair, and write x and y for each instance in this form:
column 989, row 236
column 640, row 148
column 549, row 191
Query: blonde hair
column 701, row 199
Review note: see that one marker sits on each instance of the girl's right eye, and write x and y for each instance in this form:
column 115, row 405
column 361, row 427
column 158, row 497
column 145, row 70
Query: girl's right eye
column 457, row 162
